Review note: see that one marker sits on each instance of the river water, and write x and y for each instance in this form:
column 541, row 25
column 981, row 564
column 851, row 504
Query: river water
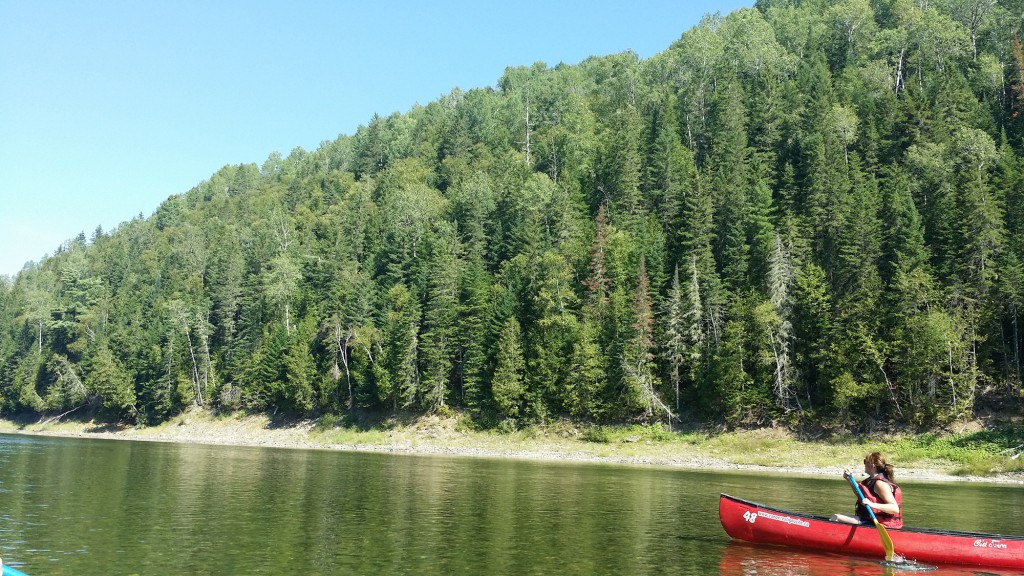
column 73, row 506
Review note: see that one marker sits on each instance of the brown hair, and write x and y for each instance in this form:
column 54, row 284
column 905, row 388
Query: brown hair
column 878, row 463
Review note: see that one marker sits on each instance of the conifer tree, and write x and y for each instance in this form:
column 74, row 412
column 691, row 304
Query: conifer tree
column 508, row 385
column 776, row 319
column 814, row 358
column 731, row 187
column 684, row 331
column 399, row 384
column 471, row 337
column 299, row 370
column 440, row 309
column 586, row 393
column 597, row 283
column 623, row 165
column 638, row 355
column 109, row 380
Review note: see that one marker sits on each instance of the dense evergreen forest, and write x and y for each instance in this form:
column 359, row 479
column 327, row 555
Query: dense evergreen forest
column 804, row 212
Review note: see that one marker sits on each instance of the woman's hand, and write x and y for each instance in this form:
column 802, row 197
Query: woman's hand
column 846, row 473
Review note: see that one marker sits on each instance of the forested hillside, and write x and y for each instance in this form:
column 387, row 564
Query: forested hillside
column 808, row 211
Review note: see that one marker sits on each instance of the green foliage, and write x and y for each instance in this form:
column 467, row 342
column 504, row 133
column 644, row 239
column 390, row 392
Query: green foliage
column 398, row 378
column 111, row 382
column 600, row 434
column 508, row 385
column 23, row 391
column 597, row 434
column 299, row 370
column 585, row 392
column 983, row 452
column 801, row 211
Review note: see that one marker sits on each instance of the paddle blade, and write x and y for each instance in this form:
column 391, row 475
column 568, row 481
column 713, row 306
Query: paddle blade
column 886, row 541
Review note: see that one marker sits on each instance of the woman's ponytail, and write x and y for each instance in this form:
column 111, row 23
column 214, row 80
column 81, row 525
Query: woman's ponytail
column 890, row 472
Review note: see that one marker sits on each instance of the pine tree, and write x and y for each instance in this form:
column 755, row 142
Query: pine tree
column 585, row 394
column 440, row 309
column 263, row 384
column 597, row 283
column 698, row 254
column 299, row 370
column 508, row 384
column 1011, row 290
column 638, row 356
column 727, row 381
column 778, row 325
column 980, row 215
column 624, row 164
column 400, row 329
column 812, row 329
column 685, row 332
column 731, row 186
column 471, row 337
column 111, row 383
column 675, row 346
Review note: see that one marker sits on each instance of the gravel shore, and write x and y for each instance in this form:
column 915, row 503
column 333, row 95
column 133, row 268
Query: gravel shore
column 439, row 439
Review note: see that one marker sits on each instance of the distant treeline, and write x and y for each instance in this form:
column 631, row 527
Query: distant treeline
column 808, row 211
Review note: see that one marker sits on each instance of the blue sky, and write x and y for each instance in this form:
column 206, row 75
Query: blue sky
column 107, row 108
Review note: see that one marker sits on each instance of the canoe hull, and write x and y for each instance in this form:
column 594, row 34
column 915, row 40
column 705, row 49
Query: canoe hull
column 747, row 559
column 753, row 522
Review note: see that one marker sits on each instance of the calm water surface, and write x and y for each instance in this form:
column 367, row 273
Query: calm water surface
column 70, row 506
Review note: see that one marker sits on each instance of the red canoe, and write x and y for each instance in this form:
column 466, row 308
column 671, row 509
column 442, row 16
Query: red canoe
column 744, row 520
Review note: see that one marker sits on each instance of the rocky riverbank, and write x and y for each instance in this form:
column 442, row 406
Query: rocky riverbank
column 764, row 451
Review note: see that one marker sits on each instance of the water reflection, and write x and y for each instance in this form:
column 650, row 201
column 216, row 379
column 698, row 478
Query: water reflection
column 743, row 559
column 71, row 506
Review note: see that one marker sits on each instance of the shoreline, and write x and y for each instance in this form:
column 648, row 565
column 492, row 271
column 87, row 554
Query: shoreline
column 439, row 438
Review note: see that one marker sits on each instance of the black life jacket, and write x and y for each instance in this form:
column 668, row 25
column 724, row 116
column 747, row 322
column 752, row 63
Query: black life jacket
column 868, row 488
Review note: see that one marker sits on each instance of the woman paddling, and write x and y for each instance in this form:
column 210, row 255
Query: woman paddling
column 880, row 493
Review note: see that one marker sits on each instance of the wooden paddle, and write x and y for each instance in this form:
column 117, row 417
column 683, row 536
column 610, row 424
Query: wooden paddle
column 886, row 541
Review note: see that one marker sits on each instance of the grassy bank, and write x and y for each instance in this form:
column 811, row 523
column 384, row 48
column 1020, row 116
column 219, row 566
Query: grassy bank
column 974, row 450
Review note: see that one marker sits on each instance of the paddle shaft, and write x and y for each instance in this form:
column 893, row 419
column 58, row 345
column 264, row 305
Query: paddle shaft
column 860, row 496
column 8, row 571
column 882, row 532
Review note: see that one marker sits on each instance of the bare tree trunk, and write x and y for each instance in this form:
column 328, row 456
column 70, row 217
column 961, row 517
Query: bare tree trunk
column 59, row 416
column 1016, row 350
column 529, row 133
column 170, row 365
column 898, row 81
column 195, row 368
column 952, row 383
column 208, row 375
column 341, row 342
column 348, row 379
column 675, row 380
